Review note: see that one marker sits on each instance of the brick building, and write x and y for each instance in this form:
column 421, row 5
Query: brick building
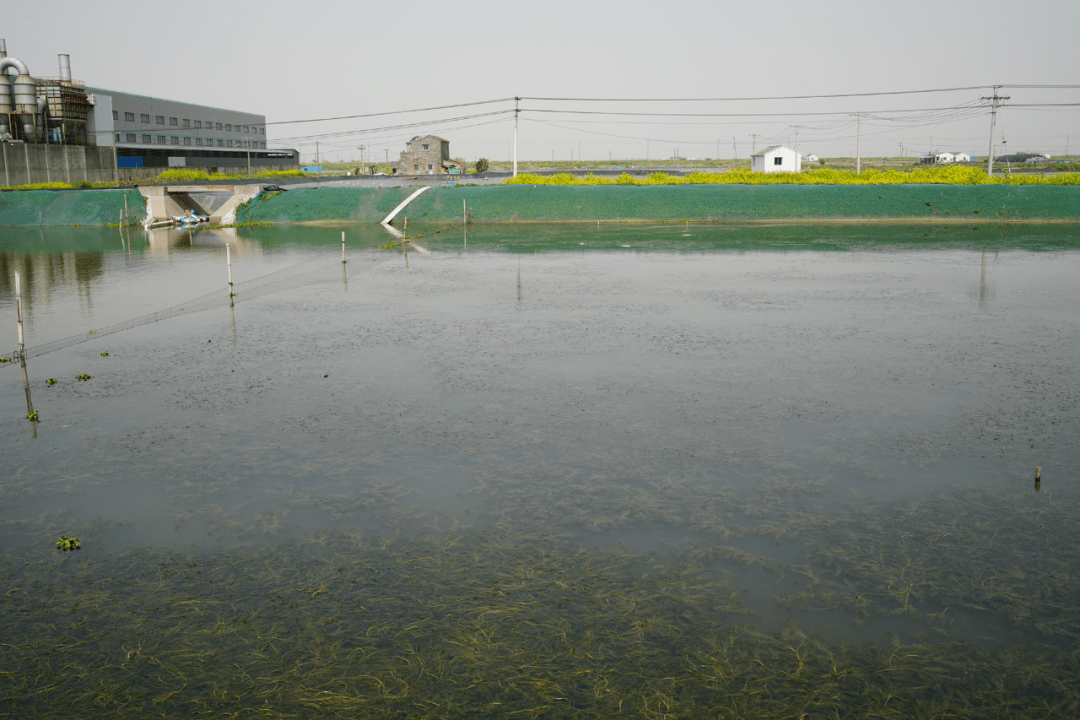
column 428, row 155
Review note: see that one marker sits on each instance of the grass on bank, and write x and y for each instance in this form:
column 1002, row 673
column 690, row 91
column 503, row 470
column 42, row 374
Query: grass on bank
column 823, row 176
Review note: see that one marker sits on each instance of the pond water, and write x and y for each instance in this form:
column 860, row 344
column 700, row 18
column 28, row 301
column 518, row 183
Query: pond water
column 550, row 471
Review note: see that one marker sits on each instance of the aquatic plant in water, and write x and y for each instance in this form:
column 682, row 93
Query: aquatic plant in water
column 66, row 543
column 462, row 624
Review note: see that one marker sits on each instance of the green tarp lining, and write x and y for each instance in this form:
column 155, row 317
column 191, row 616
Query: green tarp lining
column 525, row 203
column 69, row 207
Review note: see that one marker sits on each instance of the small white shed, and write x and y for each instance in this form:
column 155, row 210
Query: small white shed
column 776, row 158
column 961, row 157
column 938, row 159
column 810, row 158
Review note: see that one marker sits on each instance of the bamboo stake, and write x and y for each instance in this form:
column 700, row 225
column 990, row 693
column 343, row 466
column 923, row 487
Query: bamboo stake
column 228, row 259
column 18, row 309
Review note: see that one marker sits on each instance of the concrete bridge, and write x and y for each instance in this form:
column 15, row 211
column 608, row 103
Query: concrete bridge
column 219, row 202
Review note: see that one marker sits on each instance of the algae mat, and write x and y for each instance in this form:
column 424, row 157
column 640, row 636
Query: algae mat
column 68, row 207
column 699, row 203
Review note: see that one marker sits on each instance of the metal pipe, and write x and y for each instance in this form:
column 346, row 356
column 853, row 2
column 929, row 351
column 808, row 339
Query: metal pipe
column 5, row 103
column 16, row 63
column 5, row 94
column 23, row 94
column 65, row 67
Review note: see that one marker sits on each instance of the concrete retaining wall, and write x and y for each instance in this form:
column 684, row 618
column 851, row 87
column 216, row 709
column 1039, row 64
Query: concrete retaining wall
column 27, row 163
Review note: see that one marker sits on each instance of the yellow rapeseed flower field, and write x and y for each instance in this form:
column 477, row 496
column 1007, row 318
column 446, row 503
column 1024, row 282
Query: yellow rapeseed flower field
column 955, row 175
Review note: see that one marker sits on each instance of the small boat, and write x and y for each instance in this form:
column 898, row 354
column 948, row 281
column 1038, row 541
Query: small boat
column 189, row 218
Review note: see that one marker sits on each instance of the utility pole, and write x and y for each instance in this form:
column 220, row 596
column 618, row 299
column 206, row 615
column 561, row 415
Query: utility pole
column 516, row 112
column 362, row 169
column 734, row 147
column 994, row 100
column 754, row 147
column 858, row 147
column 796, row 137
column 115, row 160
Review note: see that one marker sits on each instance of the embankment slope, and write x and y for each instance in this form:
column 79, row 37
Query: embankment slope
column 21, row 208
column 527, row 203
column 696, row 203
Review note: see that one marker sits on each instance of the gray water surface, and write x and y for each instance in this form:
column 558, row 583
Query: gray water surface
column 652, row 388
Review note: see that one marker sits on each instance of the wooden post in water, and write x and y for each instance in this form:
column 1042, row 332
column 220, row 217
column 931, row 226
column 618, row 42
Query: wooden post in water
column 1038, row 477
column 228, row 259
column 22, row 351
column 18, row 310
column 342, row 247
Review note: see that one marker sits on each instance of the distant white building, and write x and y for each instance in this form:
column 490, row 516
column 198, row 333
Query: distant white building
column 776, row 158
column 810, row 158
column 938, row 159
column 961, row 157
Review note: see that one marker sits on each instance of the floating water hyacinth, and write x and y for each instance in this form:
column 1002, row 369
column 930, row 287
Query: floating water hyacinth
column 66, row 543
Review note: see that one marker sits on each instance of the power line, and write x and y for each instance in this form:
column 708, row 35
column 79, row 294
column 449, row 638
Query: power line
column 392, row 112
column 748, row 115
column 778, row 97
column 347, row 133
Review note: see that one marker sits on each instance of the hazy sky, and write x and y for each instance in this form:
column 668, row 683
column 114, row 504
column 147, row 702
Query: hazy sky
column 295, row 61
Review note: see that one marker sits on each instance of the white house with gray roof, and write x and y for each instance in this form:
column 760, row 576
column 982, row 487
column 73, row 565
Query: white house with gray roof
column 776, row 158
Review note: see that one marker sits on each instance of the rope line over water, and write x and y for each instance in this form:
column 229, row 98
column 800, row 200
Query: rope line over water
column 245, row 290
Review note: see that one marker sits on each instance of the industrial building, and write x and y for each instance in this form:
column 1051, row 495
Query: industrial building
column 138, row 131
